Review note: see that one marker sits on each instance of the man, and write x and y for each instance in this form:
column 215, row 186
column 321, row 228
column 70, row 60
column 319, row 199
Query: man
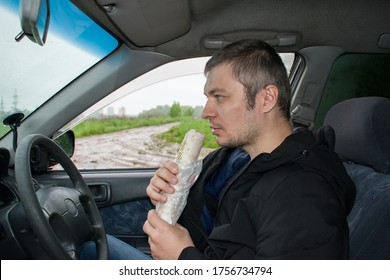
column 290, row 201
column 267, row 193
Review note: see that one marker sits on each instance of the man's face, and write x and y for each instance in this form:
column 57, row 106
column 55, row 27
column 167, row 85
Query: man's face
column 226, row 109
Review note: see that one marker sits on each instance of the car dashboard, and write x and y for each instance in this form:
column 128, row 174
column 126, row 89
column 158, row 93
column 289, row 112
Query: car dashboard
column 17, row 239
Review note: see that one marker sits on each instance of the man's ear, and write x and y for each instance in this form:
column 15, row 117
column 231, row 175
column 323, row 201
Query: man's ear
column 270, row 97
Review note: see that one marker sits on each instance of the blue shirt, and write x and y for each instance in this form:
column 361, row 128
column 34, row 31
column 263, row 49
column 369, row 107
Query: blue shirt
column 214, row 186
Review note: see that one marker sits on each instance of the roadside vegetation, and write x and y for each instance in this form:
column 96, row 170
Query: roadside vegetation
column 96, row 126
column 176, row 133
column 186, row 117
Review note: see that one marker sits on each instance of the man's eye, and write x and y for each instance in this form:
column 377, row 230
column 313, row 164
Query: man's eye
column 218, row 98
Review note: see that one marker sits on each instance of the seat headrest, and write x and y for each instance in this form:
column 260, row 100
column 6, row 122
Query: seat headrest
column 362, row 131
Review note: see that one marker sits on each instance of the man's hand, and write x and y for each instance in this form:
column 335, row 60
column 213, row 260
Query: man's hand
column 166, row 241
column 162, row 181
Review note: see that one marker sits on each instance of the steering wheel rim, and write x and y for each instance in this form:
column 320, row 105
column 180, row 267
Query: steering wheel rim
column 57, row 214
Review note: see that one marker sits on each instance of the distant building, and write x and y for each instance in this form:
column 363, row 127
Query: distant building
column 98, row 115
column 122, row 112
column 2, row 111
column 110, row 111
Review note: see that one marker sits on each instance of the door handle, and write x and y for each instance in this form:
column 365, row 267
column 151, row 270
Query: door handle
column 101, row 192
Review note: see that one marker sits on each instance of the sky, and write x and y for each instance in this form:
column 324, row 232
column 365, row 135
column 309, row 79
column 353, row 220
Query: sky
column 29, row 71
column 33, row 72
column 180, row 82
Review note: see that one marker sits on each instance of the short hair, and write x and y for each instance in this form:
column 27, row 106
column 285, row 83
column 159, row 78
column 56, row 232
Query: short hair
column 255, row 64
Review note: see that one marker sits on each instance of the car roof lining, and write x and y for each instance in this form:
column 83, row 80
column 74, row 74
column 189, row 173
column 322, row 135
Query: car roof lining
column 325, row 23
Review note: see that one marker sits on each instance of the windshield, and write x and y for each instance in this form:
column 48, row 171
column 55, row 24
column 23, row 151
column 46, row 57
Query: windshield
column 31, row 74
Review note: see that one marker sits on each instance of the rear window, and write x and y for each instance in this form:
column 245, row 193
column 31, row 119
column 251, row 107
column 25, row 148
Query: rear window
column 355, row 75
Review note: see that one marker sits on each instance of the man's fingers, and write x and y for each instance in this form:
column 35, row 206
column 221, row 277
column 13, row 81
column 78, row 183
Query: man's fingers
column 154, row 220
column 160, row 185
column 167, row 174
column 172, row 167
column 148, row 227
column 153, row 223
column 166, row 241
column 155, row 194
column 162, row 182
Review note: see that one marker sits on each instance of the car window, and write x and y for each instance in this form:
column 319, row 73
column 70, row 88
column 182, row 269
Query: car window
column 31, row 74
column 142, row 124
column 355, row 75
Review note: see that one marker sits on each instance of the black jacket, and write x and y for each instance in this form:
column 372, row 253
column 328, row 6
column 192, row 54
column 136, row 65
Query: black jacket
column 290, row 204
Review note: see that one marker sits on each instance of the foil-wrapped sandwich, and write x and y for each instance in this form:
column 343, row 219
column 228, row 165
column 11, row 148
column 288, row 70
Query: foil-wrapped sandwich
column 189, row 169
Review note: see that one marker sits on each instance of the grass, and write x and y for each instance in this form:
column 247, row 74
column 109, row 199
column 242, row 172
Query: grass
column 177, row 133
column 101, row 126
column 174, row 135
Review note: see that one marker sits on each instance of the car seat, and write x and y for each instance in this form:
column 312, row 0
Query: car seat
column 362, row 134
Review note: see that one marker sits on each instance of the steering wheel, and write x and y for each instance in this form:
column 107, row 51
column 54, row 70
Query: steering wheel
column 62, row 218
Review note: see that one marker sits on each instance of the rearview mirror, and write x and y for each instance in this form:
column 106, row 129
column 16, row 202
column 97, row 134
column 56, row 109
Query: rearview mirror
column 34, row 19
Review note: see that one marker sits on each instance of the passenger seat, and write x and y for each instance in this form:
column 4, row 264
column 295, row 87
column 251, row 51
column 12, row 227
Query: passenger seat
column 362, row 134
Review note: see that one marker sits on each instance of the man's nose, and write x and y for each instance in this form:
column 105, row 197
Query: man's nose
column 208, row 111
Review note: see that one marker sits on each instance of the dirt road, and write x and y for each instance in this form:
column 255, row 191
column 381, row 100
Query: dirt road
column 130, row 148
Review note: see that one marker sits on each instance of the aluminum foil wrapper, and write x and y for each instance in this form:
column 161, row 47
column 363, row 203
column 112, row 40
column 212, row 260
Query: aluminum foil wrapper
column 189, row 169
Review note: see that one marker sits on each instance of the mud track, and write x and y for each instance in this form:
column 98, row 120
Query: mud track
column 132, row 148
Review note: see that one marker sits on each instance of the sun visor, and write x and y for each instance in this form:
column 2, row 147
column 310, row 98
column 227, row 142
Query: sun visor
column 149, row 22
